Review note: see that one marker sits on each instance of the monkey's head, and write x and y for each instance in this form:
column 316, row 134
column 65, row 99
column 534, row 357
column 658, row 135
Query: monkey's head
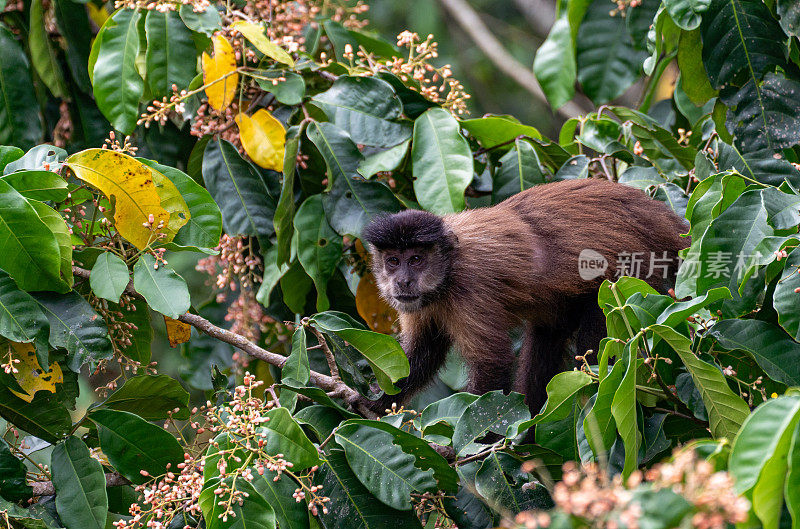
column 412, row 255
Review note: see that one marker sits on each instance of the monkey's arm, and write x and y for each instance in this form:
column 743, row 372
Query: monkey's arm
column 426, row 349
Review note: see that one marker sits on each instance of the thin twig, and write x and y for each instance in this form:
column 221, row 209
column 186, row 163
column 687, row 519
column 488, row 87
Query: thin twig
column 325, row 349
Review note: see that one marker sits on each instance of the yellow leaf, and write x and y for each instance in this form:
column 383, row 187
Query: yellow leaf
column 263, row 138
column 255, row 34
column 31, row 377
column 218, row 70
column 378, row 314
column 177, row 331
column 99, row 15
column 135, row 192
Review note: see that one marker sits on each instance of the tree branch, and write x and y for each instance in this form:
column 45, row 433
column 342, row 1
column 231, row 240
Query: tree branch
column 325, row 382
column 539, row 14
column 471, row 23
column 46, row 488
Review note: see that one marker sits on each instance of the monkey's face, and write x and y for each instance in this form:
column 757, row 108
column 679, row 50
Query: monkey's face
column 409, row 279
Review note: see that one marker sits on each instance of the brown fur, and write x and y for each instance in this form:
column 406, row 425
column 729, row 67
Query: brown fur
column 516, row 265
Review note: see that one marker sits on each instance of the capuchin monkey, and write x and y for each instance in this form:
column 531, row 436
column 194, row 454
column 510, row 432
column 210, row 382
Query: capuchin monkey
column 534, row 261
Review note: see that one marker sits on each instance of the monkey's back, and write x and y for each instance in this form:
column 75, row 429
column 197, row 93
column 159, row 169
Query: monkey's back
column 528, row 247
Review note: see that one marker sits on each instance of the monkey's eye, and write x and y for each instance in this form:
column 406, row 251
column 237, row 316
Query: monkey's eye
column 414, row 259
column 392, row 261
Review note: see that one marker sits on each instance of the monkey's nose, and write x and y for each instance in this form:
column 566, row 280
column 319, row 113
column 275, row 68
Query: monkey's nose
column 404, row 283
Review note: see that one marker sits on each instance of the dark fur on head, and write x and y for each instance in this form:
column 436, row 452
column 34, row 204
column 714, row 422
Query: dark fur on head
column 411, row 228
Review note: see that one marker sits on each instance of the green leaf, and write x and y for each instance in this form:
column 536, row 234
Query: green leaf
column 30, row 251
column 283, row 220
column 285, row 436
column 116, row 82
column 426, row 458
column 492, row 412
column 764, row 115
column 20, row 123
column 132, row 444
column 491, row 131
column 439, row 418
column 358, row 509
column 297, row 367
column 9, row 154
column 163, row 289
column 787, row 297
column 58, row 226
column 43, row 55
column 387, row 160
column 772, row 349
column 364, row 107
column 204, row 227
column 171, row 57
column 352, row 201
column 247, row 204
column 687, row 14
column 317, row 395
column 694, row 79
column 762, row 166
column 442, row 162
column 792, row 490
column 764, row 430
column 384, row 354
column 21, row 319
column 599, row 424
column 80, row 486
column 739, row 35
column 13, row 472
column 726, row 410
column 501, row 482
column 109, row 277
column 623, row 409
column 206, row 22
column 518, row 170
column 38, row 185
column 608, row 61
column 73, row 25
column 76, row 327
column 253, row 513
column 789, row 11
column 555, row 66
column 319, row 248
column 382, row 466
column 289, row 91
column 278, row 491
column 151, row 397
column 44, row 417
column 561, row 391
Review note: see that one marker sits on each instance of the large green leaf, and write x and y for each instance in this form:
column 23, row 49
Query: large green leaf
column 384, row 354
column 382, row 466
column 20, row 123
column 763, row 166
column 789, row 11
column 80, row 486
column 758, row 439
column 109, row 277
column 319, row 248
column 492, row 412
column 283, row 220
column 519, row 169
column 116, row 82
column 163, row 289
column 492, row 130
column 764, row 115
column 352, row 201
column 38, row 185
column 608, row 61
column 61, row 231
column 252, row 513
column 694, row 79
column 44, row 417
column 555, row 65
column 247, row 204
column 285, row 436
column 792, row 491
column 561, row 391
column 441, row 162
column 30, row 252
column 623, row 409
column 774, row 351
column 505, row 487
column 43, row 53
column 726, row 410
column 364, row 106
column 296, row 368
column 358, row 508
column 206, row 21
column 438, row 419
column 205, row 221
column 786, row 298
column 21, row 319
column 76, row 327
column 171, row 57
column 278, row 492
column 599, row 424
column 151, row 397
column 13, row 472
column 132, row 444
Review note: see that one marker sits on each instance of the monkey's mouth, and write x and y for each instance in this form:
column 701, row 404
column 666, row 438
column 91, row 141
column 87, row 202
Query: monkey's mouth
column 406, row 298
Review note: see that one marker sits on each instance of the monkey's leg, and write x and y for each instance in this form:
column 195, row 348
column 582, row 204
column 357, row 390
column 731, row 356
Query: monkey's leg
column 591, row 329
column 491, row 363
column 543, row 355
column 426, row 350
